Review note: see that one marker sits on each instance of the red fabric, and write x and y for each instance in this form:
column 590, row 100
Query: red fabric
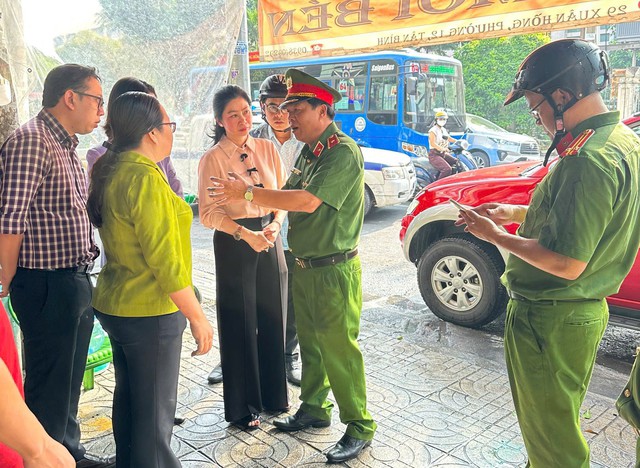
column 309, row 90
column 9, row 354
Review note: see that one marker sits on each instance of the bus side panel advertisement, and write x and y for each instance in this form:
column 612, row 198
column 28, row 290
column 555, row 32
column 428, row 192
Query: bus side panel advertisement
column 290, row 30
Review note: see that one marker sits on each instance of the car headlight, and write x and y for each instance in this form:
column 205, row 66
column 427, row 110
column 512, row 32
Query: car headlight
column 392, row 173
column 412, row 206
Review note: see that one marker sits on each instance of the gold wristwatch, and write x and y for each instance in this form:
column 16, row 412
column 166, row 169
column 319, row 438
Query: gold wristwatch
column 248, row 195
column 238, row 234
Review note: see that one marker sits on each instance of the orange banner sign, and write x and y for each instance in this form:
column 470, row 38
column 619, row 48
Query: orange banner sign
column 293, row 29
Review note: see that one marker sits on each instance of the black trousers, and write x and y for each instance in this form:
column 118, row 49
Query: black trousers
column 251, row 290
column 56, row 320
column 146, row 358
column 291, row 334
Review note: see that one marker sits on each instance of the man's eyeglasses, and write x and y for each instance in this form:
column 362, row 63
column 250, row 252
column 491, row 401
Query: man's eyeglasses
column 534, row 112
column 274, row 109
column 97, row 98
column 172, row 126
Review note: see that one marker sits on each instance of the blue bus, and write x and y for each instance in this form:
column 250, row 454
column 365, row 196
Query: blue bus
column 389, row 99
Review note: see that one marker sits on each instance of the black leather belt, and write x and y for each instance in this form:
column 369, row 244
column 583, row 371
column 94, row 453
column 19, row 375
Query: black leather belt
column 76, row 269
column 519, row 297
column 326, row 261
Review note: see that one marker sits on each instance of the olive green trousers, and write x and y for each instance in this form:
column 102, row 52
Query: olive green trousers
column 550, row 349
column 327, row 304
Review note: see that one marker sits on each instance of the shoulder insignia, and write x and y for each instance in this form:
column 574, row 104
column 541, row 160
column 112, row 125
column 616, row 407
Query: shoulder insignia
column 332, row 141
column 579, row 142
column 317, row 151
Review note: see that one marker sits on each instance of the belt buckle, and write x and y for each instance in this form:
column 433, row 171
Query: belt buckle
column 300, row 262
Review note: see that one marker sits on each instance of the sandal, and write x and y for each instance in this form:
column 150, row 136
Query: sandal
column 249, row 422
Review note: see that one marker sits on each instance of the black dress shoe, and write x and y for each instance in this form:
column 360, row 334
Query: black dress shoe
column 216, row 375
column 347, row 448
column 294, row 373
column 300, row 420
column 96, row 461
column 178, row 419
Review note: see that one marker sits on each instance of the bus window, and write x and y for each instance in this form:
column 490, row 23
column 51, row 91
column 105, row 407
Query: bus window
column 350, row 80
column 383, row 100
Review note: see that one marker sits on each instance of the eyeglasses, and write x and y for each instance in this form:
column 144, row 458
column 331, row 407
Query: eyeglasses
column 534, row 112
column 172, row 126
column 274, row 109
column 98, row 98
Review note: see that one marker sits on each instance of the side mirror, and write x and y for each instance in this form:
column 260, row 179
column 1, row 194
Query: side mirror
column 411, row 83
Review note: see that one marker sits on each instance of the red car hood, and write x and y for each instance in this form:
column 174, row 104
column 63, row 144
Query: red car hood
column 488, row 173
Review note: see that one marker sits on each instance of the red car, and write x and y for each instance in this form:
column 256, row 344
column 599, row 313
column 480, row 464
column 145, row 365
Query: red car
column 459, row 274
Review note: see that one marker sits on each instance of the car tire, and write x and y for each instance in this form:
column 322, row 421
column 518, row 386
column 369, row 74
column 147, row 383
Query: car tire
column 368, row 200
column 479, row 298
column 481, row 158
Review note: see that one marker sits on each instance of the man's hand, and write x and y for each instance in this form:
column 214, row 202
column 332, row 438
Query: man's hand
column 499, row 213
column 224, row 191
column 480, row 226
column 6, row 277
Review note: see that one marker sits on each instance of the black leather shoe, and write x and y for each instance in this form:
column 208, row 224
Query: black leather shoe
column 178, row 419
column 95, row 461
column 294, row 373
column 300, row 420
column 216, row 375
column 347, row 448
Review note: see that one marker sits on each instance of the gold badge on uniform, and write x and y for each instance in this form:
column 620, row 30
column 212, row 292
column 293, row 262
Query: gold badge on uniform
column 296, row 171
column 579, row 142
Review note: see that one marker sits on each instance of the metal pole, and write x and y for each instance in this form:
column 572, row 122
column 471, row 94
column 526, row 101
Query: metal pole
column 239, row 70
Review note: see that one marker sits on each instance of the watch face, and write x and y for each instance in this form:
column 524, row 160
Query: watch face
column 248, row 196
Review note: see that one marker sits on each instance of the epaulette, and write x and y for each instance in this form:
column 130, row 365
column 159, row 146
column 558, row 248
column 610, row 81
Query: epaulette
column 579, row 142
column 332, row 141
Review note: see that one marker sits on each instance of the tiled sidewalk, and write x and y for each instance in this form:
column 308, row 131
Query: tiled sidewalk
column 434, row 406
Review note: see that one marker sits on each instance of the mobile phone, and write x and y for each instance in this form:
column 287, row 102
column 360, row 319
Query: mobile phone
column 458, row 205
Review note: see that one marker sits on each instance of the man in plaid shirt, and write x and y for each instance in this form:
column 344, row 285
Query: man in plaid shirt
column 47, row 249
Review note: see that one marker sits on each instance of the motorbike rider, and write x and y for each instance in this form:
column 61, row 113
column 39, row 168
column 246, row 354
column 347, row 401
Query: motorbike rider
column 439, row 139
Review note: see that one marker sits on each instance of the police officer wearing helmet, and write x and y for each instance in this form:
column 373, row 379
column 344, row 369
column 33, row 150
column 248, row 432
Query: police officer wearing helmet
column 576, row 242
column 276, row 128
column 325, row 199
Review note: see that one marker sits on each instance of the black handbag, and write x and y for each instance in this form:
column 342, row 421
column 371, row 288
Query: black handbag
column 628, row 403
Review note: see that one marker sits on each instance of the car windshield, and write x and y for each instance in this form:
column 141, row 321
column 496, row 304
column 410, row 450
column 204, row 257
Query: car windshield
column 478, row 124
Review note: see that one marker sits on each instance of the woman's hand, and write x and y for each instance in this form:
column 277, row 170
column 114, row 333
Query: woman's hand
column 257, row 240
column 202, row 332
column 271, row 231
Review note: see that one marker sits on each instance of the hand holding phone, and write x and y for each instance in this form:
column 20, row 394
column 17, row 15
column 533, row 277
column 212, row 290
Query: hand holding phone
column 458, row 205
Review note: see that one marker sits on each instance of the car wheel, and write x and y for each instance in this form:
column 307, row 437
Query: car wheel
column 459, row 279
column 481, row 159
column 368, row 200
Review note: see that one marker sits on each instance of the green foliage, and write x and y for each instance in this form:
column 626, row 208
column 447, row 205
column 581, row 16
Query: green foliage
column 489, row 67
column 252, row 23
column 620, row 58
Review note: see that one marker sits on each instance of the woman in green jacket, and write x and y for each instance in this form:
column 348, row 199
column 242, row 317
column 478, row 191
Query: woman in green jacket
column 144, row 292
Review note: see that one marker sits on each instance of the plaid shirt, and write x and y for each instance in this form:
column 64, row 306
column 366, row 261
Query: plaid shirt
column 43, row 195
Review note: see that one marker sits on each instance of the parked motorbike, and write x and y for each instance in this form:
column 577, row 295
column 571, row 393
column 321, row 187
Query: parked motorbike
column 426, row 173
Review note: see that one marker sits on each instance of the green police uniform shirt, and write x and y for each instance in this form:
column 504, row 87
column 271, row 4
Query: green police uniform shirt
column 332, row 169
column 585, row 208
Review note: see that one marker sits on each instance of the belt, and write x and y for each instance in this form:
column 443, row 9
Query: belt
column 326, row 261
column 519, row 297
column 249, row 223
column 76, row 269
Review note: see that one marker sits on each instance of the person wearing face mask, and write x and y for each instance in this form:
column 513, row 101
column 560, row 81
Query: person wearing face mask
column 439, row 139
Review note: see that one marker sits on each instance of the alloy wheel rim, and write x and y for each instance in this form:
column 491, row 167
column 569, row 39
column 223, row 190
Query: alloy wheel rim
column 456, row 283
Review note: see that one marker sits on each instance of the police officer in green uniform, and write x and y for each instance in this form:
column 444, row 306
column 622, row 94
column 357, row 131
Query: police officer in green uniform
column 576, row 243
column 325, row 198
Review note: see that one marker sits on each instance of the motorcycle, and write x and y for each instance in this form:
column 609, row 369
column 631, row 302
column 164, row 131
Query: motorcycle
column 426, row 173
